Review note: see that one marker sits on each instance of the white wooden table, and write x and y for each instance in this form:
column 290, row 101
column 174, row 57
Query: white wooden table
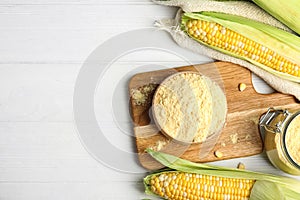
column 43, row 46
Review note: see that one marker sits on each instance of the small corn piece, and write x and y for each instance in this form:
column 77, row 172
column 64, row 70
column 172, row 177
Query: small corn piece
column 218, row 154
column 285, row 11
column 242, row 87
column 241, row 166
column 246, row 42
column 181, row 185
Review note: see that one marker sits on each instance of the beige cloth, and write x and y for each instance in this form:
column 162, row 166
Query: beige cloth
column 173, row 27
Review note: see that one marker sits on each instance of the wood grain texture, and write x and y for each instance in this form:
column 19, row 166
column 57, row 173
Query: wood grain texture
column 240, row 136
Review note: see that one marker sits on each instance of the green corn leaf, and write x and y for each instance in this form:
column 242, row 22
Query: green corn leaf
column 267, row 190
column 285, row 11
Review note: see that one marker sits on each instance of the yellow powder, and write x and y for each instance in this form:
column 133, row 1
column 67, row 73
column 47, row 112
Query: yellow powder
column 183, row 107
column 276, row 155
column 142, row 95
column 275, row 151
column 281, row 160
column 293, row 139
column 234, row 138
column 138, row 97
column 159, row 145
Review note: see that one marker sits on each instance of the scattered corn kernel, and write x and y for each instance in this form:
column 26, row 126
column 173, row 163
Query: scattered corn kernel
column 241, row 166
column 242, row 87
column 218, row 154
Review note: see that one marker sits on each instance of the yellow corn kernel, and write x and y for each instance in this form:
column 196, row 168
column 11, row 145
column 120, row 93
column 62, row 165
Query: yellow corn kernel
column 241, row 166
column 242, row 87
column 197, row 187
column 218, row 154
column 214, row 34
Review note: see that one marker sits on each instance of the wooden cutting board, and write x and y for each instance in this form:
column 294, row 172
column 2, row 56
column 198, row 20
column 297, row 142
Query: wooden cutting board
column 240, row 136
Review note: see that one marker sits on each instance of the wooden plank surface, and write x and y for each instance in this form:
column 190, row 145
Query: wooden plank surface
column 240, row 136
column 43, row 45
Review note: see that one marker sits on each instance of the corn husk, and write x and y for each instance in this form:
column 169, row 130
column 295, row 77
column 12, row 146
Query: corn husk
column 288, row 12
column 281, row 42
column 266, row 187
column 242, row 8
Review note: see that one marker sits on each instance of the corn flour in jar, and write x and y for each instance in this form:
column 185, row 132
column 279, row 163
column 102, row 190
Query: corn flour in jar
column 292, row 139
column 282, row 143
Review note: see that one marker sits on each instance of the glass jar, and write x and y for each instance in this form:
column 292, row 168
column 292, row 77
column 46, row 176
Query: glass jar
column 282, row 139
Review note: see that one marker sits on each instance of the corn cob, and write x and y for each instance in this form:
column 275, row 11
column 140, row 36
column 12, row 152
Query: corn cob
column 270, row 48
column 180, row 185
column 184, row 180
column 285, row 11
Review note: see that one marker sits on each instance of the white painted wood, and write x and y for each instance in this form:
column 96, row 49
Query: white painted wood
column 43, row 46
column 73, row 190
column 67, row 33
column 70, row 2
